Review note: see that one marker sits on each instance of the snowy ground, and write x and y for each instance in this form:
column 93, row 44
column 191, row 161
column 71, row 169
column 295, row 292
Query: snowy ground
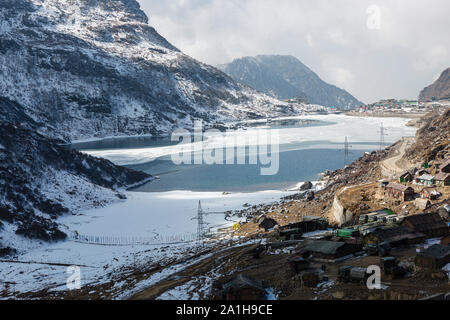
column 143, row 214
column 162, row 215
column 165, row 213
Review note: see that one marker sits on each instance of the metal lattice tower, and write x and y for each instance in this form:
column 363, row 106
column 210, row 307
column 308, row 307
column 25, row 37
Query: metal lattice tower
column 202, row 225
column 347, row 147
column 382, row 134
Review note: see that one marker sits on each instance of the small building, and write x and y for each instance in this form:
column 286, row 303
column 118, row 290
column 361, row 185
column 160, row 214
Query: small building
column 308, row 224
column 243, row 288
column 422, row 204
column 444, row 213
column 399, row 191
column 347, row 233
column 445, row 167
column 430, row 224
column 384, row 184
column 430, row 193
column 396, row 236
column 435, row 257
column 331, row 250
column 426, row 180
column 290, row 234
column 442, row 179
column 310, row 277
column 406, row 177
column 268, row 224
column 437, row 164
column 421, row 172
column 375, row 216
column 299, row 264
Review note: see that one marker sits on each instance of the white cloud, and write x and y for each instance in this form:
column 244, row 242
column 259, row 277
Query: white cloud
column 310, row 40
column 433, row 57
column 342, row 77
column 331, row 37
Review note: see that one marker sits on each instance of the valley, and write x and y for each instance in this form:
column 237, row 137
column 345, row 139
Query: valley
column 131, row 170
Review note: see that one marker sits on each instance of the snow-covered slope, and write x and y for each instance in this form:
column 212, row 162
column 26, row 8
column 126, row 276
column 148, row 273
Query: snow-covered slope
column 41, row 180
column 285, row 77
column 82, row 68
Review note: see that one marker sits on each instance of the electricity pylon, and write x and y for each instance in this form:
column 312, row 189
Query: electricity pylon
column 382, row 135
column 347, row 147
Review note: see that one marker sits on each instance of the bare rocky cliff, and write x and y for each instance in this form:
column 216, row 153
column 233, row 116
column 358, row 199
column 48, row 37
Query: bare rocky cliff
column 439, row 90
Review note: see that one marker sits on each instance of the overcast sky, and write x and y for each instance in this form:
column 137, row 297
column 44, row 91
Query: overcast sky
column 373, row 49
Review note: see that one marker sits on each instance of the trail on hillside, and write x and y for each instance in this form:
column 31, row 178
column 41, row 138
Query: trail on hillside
column 392, row 166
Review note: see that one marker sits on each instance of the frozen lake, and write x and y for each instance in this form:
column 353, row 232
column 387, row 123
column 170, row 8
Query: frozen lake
column 307, row 146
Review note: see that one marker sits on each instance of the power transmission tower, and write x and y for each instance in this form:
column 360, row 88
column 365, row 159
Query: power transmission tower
column 202, row 225
column 382, row 135
column 347, row 146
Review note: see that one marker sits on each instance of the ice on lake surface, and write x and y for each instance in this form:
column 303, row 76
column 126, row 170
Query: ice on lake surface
column 306, row 149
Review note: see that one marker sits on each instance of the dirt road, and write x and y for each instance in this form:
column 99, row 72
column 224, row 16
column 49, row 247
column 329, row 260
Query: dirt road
column 392, row 167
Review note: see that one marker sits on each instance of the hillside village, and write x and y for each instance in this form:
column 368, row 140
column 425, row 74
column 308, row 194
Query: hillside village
column 389, row 208
column 402, row 107
column 319, row 244
column 86, row 70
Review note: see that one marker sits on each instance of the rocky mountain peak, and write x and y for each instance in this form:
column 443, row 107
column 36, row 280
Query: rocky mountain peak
column 440, row 89
column 286, row 77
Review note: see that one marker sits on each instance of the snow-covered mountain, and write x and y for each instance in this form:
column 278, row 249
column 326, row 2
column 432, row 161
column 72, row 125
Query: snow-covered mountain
column 285, row 77
column 81, row 68
column 41, row 180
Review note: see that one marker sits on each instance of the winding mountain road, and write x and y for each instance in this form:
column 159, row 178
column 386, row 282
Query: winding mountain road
column 390, row 167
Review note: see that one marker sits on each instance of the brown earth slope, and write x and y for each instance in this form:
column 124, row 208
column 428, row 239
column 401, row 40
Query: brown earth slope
column 432, row 140
column 440, row 89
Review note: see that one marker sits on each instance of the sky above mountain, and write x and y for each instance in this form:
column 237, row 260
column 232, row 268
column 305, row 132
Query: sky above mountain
column 374, row 49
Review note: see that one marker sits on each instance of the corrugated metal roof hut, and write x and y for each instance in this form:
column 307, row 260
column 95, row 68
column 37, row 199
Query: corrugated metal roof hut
column 442, row 179
column 426, row 179
column 422, row 203
column 399, row 191
column 396, row 236
column 435, row 257
column 445, row 167
column 267, row 224
column 331, row 249
column 430, row 224
column 243, row 288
